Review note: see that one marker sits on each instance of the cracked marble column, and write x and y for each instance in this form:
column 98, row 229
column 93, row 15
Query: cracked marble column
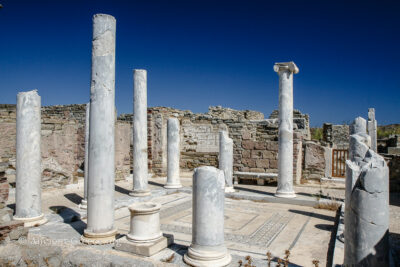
column 173, row 154
column 359, row 125
column 226, row 159
column 372, row 129
column 367, row 206
column 285, row 71
column 83, row 204
column 140, row 157
column 208, row 245
column 100, row 199
column 28, row 204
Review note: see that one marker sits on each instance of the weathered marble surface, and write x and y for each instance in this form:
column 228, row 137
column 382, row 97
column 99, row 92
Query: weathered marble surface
column 372, row 129
column 140, row 164
column 359, row 125
column 208, row 247
column 100, row 202
column 226, row 159
column 83, row 204
column 173, row 154
column 367, row 206
column 28, row 161
column 285, row 71
column 145, row 222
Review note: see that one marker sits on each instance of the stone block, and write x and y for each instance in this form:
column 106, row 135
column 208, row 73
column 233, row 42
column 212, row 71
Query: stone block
column 246, row 154
column 260, row 181
column 260, row 145
column 273, row 164
column 256, row 170
column 246, row 135
column 262, row 163
column 273, row 146
column 248, row 144
column 268, row 154
column 251, row 163
column 143, row 249
column 256, row 154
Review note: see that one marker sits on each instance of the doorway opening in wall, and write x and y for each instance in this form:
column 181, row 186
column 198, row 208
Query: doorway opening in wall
column 339, row 157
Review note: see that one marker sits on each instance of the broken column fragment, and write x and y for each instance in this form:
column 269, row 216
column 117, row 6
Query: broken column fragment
column 226, row 159
column 372, row 129
column 366, row 207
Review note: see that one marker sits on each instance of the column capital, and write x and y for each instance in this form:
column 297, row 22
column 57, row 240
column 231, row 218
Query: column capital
column 286, row 66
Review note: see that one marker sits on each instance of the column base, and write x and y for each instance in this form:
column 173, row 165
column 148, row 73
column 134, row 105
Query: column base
column 140, row 193
column 172, row 186
column 207, row 258
column 291, row 194
column 83, row 205
column 98, row 238
column 141, row 240
column 144, row 249
column 230, row 189
column 32, row 221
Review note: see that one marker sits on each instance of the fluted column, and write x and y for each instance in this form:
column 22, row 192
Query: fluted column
column 285, row 151
column 28, row 204
column 100, row 203
column 140, row 160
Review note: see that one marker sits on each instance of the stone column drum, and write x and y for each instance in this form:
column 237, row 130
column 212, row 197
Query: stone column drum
column 359, row 125
column 173, row 154
column 226, row 159
column 367, row 206
column 100, row 203
column 83, row 204
column 285, row 151
column 145, row 222
column 208, row 247
column 140, row 167
column 372, row 129
column 28, row 204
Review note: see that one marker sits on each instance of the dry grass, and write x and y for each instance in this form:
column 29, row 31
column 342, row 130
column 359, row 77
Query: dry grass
column 331, row 205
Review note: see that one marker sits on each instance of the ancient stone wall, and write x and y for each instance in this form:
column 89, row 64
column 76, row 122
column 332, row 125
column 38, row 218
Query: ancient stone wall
column 255, row 141
column 336, row 136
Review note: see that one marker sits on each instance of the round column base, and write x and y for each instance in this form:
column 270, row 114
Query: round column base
column 32, row 221
column 83, row 205
column 98, row 238
column 172, row 186
column 141, row 240
column 140, row 193
column 230, row 189
column 291, row 194
column 207, row 258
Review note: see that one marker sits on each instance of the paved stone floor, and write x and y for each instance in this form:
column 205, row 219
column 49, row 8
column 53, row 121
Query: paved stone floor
column 252, row 227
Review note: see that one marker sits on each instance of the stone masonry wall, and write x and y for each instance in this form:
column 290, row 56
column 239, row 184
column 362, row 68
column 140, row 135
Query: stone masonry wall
column 255, row 141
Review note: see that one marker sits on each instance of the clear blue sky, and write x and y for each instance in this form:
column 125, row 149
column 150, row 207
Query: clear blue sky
column 202, row 53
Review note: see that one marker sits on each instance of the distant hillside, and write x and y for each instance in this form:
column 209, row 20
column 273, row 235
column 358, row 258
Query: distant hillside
column 384, row 131
column 387, row 130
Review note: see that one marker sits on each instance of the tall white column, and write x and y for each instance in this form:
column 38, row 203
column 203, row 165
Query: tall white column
column 372, row 129
column 208, row 246
column 100, row 203
column 140, row 167
column 28, row 204
column 285, row 71
column 226, row 159
column 83, row 204
column 173, row 154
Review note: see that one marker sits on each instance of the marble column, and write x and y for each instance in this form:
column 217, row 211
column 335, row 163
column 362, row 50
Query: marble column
column 100, row 200
column 372, row 129
column 366, row 206
column 208, row 246
column 285, row 71
column 83, row 204
column 173, row 154
column 359, row 125
column 140, row 157
column 28, row 204
column 226, row 159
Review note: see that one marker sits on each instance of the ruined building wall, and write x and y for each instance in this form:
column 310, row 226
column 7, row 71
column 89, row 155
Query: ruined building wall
column 255, row 141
